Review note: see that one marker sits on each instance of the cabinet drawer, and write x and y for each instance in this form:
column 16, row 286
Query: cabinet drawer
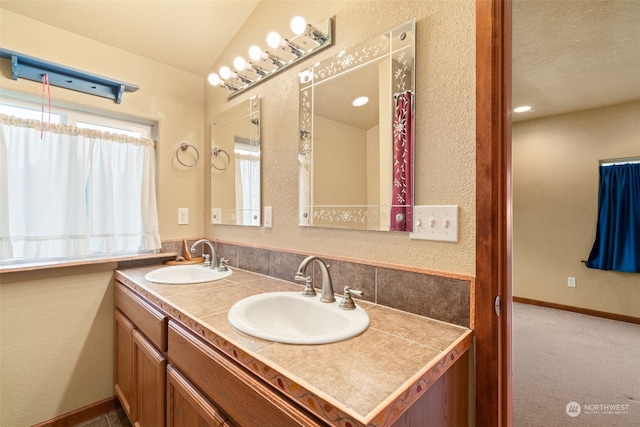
column 150, row 321
column 186, row 406
column 243, row 398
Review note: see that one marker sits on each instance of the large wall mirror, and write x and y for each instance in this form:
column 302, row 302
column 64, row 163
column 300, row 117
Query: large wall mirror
column 356, row 162
column 235, row 165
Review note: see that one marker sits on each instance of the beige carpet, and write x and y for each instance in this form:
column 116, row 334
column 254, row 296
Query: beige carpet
column 571, row 369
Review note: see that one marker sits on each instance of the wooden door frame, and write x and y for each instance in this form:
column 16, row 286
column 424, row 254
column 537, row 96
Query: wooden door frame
column 493, row 213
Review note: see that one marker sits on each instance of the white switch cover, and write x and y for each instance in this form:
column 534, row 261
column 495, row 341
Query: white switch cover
column 268, row 217
column 435, row 223
column 183, row 216
column 216, row 214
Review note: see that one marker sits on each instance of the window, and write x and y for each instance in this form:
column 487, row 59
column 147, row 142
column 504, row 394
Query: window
column 617, row 241
column 79, row 185
column 12, row 106
column 247, row 165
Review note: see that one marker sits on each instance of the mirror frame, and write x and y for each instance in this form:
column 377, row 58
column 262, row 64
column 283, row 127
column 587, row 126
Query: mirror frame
column 223, row 161
column 398, row 45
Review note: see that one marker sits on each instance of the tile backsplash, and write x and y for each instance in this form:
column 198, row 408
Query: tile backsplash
column 440, row 297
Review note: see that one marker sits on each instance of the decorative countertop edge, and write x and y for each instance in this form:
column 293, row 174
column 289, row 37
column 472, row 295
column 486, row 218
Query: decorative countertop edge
column 390, row 410
column 325, row 407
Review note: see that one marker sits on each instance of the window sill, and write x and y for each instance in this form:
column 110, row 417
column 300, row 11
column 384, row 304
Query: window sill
column 46, row 264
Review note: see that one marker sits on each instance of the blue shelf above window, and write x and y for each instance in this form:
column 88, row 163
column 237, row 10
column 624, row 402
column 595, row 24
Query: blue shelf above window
column 27, row 67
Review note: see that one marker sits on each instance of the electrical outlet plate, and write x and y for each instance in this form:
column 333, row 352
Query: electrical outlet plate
column 435, row 223
column 183, row 216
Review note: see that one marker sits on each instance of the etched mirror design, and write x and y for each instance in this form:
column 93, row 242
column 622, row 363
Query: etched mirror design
column 356, row 162
column 235, row 165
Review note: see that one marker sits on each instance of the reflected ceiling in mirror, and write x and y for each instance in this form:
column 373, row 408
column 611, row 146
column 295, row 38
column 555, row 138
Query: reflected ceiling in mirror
column 235, row 165
column 356, row 162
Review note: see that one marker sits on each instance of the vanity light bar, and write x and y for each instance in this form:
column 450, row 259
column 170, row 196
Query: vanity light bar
column 283, row 53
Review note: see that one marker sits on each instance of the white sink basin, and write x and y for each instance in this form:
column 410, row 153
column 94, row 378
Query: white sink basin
column 183, row 274
column 289, row 317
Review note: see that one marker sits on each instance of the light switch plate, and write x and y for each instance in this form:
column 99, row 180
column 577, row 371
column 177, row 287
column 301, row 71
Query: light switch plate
column 268, row 217
column 435, row 223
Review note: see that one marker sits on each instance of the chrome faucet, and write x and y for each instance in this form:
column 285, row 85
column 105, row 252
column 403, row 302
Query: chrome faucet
column 327, row 286
column 213, row 263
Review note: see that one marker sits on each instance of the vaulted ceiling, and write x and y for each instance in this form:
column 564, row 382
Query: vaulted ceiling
column 186, row 34
column 567, row 55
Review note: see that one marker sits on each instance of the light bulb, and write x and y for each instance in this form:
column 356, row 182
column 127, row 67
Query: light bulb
column 239, row 63
column 298, row 25
column 214, row 79
column 273, row 40
column 255, row 53
column 225, row 72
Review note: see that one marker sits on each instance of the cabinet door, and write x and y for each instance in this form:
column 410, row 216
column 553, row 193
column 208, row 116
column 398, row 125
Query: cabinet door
column 123, row 361
column 149, row 383
column 186, row 406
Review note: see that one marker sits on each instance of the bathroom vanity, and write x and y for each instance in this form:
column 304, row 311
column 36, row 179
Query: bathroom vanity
column 179, row 362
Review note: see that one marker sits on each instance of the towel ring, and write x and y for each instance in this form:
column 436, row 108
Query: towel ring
column 217, row 151
column 184, row 147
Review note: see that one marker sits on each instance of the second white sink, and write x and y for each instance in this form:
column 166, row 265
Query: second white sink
column 184, row 274
column 289, row 317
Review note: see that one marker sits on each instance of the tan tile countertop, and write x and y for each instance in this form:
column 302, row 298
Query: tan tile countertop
column 368, row 378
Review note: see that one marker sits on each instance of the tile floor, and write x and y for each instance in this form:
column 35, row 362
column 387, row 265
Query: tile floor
column 112, row 419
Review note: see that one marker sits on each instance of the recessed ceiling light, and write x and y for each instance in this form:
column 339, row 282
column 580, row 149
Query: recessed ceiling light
column 522, row 109
column 360, row 101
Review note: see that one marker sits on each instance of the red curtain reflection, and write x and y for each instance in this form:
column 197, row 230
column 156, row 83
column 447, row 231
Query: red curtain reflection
column 402, row 195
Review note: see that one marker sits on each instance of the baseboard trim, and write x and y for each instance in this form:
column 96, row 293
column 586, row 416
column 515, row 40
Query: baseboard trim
column 83, row 414
column 587, row 311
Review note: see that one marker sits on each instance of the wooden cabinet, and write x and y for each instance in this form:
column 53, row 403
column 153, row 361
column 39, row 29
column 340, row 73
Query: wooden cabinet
column 140, row 364
column 149, row 370
column 123, row 358
column 186, row 406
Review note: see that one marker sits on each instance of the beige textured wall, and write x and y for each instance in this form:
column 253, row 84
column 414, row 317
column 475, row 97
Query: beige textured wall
column 56, row 325
column 57, row 342
column 445, row 129
column 555, row 185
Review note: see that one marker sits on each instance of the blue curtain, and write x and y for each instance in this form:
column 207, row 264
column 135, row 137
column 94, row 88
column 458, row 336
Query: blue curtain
column 617, row 244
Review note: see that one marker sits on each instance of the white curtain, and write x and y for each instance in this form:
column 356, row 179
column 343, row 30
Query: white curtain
column 70, row 192
column 247, row 164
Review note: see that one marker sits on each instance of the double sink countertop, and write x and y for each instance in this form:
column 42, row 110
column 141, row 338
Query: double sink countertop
column 368, row 379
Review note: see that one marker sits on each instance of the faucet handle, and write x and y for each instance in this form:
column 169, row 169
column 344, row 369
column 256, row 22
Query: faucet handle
column 347, row 302
column 207, row 263
column 308, row 290
column 223, row 264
